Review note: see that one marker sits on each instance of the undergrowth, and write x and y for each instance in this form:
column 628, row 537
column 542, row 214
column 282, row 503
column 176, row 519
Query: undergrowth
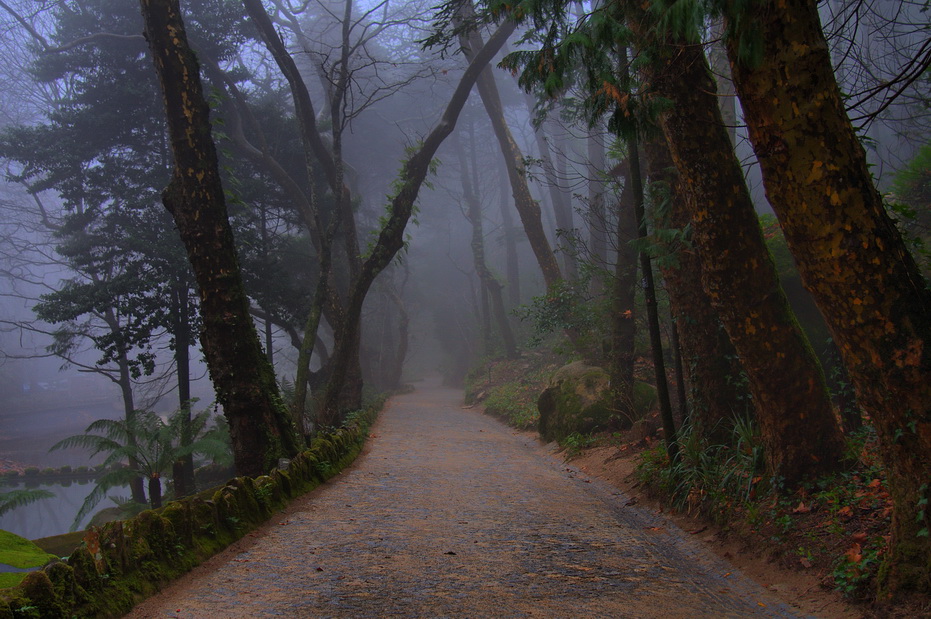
column 509, row 388
column 837, row 524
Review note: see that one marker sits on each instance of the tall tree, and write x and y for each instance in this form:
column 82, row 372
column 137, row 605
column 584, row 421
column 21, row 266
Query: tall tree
column 260, row 428
column 527, row 207
column 488, row 280
column 797, row 423
column 848, row 251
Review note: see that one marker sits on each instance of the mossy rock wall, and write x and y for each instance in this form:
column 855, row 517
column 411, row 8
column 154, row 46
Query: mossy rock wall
column 122, row 562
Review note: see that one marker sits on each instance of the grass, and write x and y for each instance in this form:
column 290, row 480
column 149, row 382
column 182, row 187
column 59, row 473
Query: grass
column 835, row 525
column 509, row 388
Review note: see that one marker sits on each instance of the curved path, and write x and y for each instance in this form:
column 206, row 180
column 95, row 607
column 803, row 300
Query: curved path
column 448, row 513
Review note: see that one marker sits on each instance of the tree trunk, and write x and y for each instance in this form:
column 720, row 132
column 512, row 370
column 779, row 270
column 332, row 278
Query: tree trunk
column 716, row 388
column 391, row 237
column 260, row 427
column 623, row 317
column 512, row 262
column 649, row 295
column 527, row 207
column 597, row 215
column 850, row 256
column 489, row 282
column 155, row 491
column 800, row 434
column 561, row 202
column 395, row 369
column 183, row 474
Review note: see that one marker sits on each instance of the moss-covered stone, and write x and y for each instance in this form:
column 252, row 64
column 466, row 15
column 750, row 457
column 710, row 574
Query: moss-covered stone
column 38, row 589
column 577, row 399
column 131, row 559
column 84, row 570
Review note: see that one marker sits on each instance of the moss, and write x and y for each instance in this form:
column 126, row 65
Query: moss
column 84, row 570
column 178, row 513
column 136, row 557
column 67, row 589
column 39, row 590
column 19, row 552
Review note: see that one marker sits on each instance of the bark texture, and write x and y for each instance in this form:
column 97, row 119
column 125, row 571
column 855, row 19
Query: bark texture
column 799, row 431
column 259, row 424
column 710, row 364
column 849, row 254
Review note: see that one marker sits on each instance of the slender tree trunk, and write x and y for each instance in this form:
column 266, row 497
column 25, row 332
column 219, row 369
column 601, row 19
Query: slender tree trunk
column 395, row 365
column 560, row 201
column 391, row 237
column 183, row 471
column 623, row 317
column 649, row 295
column 527, row 207
column 597, row 214
column 799, row 431
column 136, row 486
column 850, row 256
column 511, row 260
column 489, row 281
column 724, row 81
column 260, row 427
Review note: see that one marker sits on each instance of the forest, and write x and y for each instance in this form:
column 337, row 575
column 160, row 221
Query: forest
column 318, row 201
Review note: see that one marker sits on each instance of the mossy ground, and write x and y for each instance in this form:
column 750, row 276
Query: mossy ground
column 20, row 553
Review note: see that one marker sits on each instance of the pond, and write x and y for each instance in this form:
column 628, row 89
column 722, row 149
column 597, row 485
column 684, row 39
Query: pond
column 52, row 516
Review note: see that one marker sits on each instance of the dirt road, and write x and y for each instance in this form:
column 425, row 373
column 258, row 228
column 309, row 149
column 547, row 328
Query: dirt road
column 448, row 513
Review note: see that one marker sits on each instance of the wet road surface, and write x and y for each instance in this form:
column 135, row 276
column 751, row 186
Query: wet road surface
column 449, row 513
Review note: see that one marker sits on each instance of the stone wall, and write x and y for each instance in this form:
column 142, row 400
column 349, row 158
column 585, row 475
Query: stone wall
column 122, row 562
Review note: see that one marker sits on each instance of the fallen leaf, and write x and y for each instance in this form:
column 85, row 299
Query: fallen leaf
column 801, row 508
column 845, row 512
column 858, row 538
column 853, row 554
column 805, row 561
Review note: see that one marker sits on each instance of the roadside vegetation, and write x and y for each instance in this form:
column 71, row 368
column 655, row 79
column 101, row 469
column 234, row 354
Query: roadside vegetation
column 833, row 529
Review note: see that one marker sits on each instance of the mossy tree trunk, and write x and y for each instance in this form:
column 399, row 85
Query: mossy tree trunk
column 712, row 370
column 849, row 253
column 800, row 434
column 260, row 427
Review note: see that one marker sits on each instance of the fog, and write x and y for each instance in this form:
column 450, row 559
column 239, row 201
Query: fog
column 85, row 157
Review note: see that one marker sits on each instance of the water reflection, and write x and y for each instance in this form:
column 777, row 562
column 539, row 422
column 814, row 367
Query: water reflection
column 50, row 516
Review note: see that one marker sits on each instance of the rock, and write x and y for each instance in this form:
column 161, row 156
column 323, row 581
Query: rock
column 577, row 399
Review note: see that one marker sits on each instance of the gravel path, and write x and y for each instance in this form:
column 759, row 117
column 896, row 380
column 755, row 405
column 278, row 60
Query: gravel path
column 448, row 513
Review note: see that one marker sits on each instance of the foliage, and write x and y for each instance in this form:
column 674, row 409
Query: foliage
column 147, row 440
column 836, row 523
column 565, row 306
column 576, row 442
column 20, row 498
column 708, row 478
column 910, row 203
column 515, row 402
column 509, row 388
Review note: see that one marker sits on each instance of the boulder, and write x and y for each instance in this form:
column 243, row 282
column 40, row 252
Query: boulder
column 577, row 399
